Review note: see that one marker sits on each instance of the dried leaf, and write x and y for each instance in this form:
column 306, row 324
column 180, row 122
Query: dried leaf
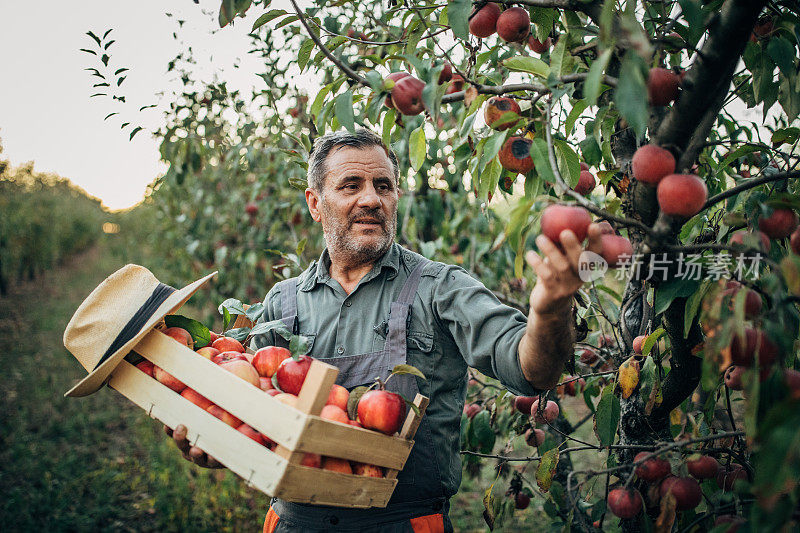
column 470, row 94
column 666, row 518
column 628, row 377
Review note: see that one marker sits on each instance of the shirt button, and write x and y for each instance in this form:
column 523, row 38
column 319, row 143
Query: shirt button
column 348, row 303
column 340, row 350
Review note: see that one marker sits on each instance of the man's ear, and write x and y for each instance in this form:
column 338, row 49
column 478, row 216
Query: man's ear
column 313, row 201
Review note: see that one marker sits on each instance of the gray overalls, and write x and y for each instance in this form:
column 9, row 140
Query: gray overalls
column 419, row 487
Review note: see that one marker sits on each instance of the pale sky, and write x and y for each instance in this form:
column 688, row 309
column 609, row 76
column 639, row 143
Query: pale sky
column 46, row 115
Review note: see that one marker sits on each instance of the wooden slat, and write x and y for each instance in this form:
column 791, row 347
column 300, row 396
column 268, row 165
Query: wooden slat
column 249, row 460
column 323, row 487
column 273, row 418
column 411, row 425
column 356, row 444
column 313, row 395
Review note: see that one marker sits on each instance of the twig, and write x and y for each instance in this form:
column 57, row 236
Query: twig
column 749, row 184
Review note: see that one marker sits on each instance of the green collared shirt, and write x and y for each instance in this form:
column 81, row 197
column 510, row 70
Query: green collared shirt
column 455, row 322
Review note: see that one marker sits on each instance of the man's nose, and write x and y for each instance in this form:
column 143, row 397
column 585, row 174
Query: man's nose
column 369, row 197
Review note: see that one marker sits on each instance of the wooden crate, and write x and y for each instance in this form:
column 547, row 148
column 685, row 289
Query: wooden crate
column 296, row 430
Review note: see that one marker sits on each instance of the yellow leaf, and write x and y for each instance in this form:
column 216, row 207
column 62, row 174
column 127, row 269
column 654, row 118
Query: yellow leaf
column 470, row 94
column 675, row 417
column 628, row 377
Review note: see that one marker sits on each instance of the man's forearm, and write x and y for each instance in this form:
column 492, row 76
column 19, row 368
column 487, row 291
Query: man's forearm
column 547, row 344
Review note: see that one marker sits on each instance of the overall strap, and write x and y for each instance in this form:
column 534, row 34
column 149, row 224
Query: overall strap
column 398, row 317
column 288, row 308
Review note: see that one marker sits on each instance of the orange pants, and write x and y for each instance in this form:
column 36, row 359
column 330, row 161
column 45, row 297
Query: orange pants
column 432, row 523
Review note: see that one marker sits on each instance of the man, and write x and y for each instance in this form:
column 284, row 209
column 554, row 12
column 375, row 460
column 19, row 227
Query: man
column 369, row 303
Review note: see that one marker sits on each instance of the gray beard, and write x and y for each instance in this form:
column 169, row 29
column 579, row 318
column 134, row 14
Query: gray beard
column 350, row 251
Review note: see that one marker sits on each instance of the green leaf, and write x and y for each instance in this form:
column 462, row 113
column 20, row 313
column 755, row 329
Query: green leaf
column 558, row 58
column 458, row 15
column 236, row 307
column 606, row 418
column 591, row 88
column 304, row 53
column 481, row 434
column 693, row 306
column 255, row 311
column 388, row 123
column 275, row 325
column 408, row 369
column 651, row 341
column 226, row 319
column 782, row 53
column 489, row 179
column 736, row 154
column 240, row 334
column 417, row 149
column 268, row 16
column 299, row 345
column 541, row 161
column 352, row 401
column 785, row 136
column 546, row 469
column 316, row 107
column 631, row 94
column 568, row 162
column 674, row 288
column 134, row 132
column 343, row 109
column 200, row 334
column 532, row 65
column 574, row 113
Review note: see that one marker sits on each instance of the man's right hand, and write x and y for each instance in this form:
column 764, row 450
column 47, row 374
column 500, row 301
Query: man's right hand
column 191, row 453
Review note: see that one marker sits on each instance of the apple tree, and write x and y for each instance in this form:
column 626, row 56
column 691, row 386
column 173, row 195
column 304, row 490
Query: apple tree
column 518, row 118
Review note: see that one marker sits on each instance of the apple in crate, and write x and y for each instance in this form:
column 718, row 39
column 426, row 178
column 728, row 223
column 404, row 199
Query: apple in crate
column 196, row 398
column 168, row 379
column 180, row 335
column 147, row 367
column 253, row 434
column 337, row 414
column 268, row 359
column 224, row 415
column 336, row 465
column 382, row 411
column 208, row 352
column 338, row 397
column 363, row 469
column 225, row 344
column 291, row 374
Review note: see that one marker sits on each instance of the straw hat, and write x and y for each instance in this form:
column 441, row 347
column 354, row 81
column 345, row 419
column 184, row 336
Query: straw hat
column 115, row 317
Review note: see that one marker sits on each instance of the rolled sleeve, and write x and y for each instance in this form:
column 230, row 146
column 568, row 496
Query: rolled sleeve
column 486, row 331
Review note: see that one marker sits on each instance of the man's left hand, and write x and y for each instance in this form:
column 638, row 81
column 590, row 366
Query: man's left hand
column 557, row 273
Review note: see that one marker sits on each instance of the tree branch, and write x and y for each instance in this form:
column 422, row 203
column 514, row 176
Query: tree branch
column 749, row 184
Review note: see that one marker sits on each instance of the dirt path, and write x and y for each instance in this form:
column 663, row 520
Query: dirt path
column 96, row 463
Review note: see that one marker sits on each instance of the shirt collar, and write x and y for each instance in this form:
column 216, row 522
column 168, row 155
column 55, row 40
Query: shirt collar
column 321, row 274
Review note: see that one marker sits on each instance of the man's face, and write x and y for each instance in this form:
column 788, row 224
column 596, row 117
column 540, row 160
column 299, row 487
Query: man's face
column 358, row 206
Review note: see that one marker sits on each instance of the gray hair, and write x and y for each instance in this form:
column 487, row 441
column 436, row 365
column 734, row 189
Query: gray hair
column 362, row 138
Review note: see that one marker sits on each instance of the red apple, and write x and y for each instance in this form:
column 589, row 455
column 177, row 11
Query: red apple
column 743, row 350
column 534, row 437
column 336, row 465
column 291, row 374
column 268, row 359
column 288, row 399
column 224, row 415
column 681, row 195
column 265, row 384
column 792, row 380
column 586, row 183
column 686, row 491
column 616, row 249
column 168, row 379
column 794, row 241
column 557, row 218
column 362, row 469
column 780, row 224
column 382, row 411
column 733, row 377
column 472, row 409
column 213, row 336
column 548, row 414
column 588, row 356
column 652, row 469
column 540, row 47
column 226, row 357
column 484, row 23
column 196, row 398
column 513, row 25
column 147, row 367
column 225, row 344
column 515, row 155
column 523, row 403
column 208, row 352
column 394, row 76
column 456, row 84
column 335, row 413
column 311, row 460
column 739, row 238
column 729, row 475
column 498, row 106
column 703, row 467
column 521, row 500
column 244, row 370
column 638, row 342
column 355, row 423
column 651, row 163
column 251, row 209
column 662, row 86
column 446, row 74
column 274, row 392
column 338, row 397
column 407, row 95
column 625, row 503
column 253, row 434
column 180, row 335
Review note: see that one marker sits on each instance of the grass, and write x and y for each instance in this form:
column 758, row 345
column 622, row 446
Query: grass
column 101, row 464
